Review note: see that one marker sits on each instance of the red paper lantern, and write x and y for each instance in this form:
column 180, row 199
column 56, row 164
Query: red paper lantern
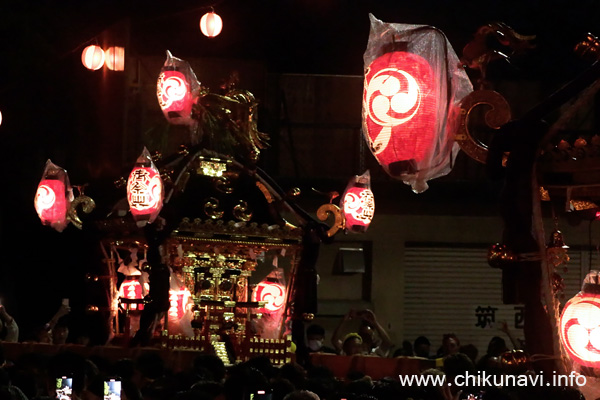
column 359, row 207
column 92, row 57
column 174, row 96
column 178, row 302
column 358, row 203
column 400, row 105
column 580, row 326
column 52, row 203
column 131, row 288
column 271, row 292
column 211, row 24
column 145, row 190
column 115, row 58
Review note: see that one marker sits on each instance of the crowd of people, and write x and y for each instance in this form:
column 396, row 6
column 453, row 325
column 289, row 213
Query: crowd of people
column 147, row 377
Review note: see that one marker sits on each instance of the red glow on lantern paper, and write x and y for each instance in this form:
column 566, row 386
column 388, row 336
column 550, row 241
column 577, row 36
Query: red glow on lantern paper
column 174, row 96
column 145, row 190
column 211, row 24
column 92, row 57
column 53, row 197
column 358, row 203
column 271, row 292
column 580, row 329
column 132, row 289
column 359, row 207
column 51, row 202
column 178, row 300
column 115, row 58
column 401, row 100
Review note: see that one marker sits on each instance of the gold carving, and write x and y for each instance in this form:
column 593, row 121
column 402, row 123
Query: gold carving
column 242, row 211
column 331, row 209
column 497, row 116
column 214, row 168
column 88, row 206
column 211, row 208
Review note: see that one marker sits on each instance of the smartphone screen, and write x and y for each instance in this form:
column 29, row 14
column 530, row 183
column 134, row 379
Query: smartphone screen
column 260, row 395
column 112, row 389
column 64, row 388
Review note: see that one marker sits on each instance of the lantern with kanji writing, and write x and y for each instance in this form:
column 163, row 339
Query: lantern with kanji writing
column 132, row 289
column 580, row 323
column 358, row 203
column 211, row 24
column 144, row 190
column 272, row 292
column 92, row 57
column 53, row 197
column 176, row 89
column 178, row 300
column 411, row 101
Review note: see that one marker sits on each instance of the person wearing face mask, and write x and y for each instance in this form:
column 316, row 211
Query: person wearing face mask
column 315, row 337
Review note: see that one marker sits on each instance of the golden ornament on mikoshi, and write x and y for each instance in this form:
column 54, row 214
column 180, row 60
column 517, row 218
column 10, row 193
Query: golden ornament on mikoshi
column 500, row 255
column 514, row 361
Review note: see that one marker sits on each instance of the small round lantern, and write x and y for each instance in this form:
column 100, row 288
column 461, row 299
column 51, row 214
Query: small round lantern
column 272, row 292
column 93, row 57
column 145, row 190
column 358, row 204
column 115, row 58
column 400, row 105
column 211, row 24
column 580, row 324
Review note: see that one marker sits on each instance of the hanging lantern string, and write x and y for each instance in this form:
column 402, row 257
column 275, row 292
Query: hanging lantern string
column 186, row 12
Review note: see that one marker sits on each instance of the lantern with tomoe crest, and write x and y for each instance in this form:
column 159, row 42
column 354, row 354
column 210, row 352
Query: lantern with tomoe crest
column 144, row 190
column 53, row 197
column 580, row 323
column 176, row 90
column 411, row 101
column 401, row 98
column 272, row 292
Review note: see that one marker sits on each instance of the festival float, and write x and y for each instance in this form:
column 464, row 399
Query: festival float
column 204, row 251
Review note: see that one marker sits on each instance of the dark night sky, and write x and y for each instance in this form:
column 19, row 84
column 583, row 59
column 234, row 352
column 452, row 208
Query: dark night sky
column 43, row 100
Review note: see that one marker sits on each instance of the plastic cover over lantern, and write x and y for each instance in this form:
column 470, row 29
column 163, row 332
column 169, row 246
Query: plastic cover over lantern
column 412, row 92
column 358, row 203
column 145, row 190
column 53, row 197
column 580, row 323
column 177, row 90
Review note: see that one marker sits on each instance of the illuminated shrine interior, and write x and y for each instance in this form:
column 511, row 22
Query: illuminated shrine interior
column 303, row 62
